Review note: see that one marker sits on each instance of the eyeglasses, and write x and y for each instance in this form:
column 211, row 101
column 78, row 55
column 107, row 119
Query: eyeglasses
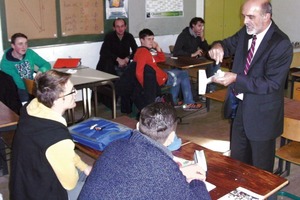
column 72, row 92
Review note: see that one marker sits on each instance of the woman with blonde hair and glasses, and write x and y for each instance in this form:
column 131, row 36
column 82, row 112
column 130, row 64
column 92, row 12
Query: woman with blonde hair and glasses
column 44, row 163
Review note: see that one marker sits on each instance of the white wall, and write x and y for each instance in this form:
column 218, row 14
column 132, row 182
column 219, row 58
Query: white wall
column 200, row 8
column 89, row 52
column 286, row 15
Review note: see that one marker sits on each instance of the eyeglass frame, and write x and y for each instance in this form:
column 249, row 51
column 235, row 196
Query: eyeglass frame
column 72, row 92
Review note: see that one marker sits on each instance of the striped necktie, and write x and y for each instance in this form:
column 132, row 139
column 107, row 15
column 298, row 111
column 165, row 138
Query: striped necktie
column 250, row 55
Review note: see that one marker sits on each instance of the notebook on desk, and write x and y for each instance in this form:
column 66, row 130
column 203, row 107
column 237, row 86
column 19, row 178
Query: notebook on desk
column 67, row 63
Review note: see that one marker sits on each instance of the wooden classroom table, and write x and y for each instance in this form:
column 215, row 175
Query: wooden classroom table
column 8, row 121
column 227, row 174
column 8, row 118
column 218, row 95
column 185, row 62
column 86, row 77
column 291, row 108
column 224, row 172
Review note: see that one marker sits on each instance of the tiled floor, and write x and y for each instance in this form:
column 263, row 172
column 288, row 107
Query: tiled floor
column 207, row 129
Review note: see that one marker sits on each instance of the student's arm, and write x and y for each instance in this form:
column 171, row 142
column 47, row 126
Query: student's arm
column 141, row 58
column 160, row 57
column 42, row 64
column 64, row 161
column 178, row 48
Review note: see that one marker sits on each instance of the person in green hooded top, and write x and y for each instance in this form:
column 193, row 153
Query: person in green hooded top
column 18, row 61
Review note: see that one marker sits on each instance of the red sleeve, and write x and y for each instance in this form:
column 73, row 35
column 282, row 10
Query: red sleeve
column 160, row 57
column 142, row 57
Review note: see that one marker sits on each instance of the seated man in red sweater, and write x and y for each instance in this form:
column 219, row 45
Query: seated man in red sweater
column 150, row 53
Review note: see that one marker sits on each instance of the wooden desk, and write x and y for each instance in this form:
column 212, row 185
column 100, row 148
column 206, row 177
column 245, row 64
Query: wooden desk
column 185, row 62
column 8, row 122
column 218, row 95
column 227, row 174
column 224, row 172
column 290, row 108
column 91, row 78
column 8, row 118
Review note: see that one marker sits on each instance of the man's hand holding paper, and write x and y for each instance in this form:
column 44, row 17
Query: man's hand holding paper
column 226, row 79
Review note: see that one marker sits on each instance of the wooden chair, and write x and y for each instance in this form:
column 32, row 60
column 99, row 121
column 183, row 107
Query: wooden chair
column 30, row 86
column 294, row 67
column 296, row 60
column 289, row 150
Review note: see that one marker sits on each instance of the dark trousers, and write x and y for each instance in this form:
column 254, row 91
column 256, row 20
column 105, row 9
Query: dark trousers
column 260, row 154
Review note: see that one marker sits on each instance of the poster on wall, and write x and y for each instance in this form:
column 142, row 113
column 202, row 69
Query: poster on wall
column 116, row 9
column 164, row 8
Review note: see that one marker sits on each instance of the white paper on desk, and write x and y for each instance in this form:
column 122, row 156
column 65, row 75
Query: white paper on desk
column 199, row 158
column 209, row 186
column 71, row 71
column 242, row 193
column 183, row 163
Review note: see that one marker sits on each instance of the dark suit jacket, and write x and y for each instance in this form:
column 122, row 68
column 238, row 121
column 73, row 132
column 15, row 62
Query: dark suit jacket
column 263, row 87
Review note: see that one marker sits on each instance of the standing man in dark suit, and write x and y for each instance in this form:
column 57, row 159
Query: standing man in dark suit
column 255, row 96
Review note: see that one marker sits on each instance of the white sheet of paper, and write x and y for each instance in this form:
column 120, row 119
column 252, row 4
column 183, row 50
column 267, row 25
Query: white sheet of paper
column 202, row 81
column 241, row 193
column 209, row 186
column 199, row 158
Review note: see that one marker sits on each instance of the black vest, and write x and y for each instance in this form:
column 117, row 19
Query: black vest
column 32, row 177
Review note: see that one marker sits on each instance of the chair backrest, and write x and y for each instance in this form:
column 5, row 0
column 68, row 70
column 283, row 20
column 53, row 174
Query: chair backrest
column 291, row 129
column 296, row 60
column 171, row 48
column 30, row 86
column 128, row 87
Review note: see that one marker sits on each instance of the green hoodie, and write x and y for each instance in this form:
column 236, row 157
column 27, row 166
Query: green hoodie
column 19, row 69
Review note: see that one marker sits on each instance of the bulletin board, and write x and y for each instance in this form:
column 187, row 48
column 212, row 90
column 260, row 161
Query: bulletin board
column 50, row 22
column 35, row 18
column 80, row 17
